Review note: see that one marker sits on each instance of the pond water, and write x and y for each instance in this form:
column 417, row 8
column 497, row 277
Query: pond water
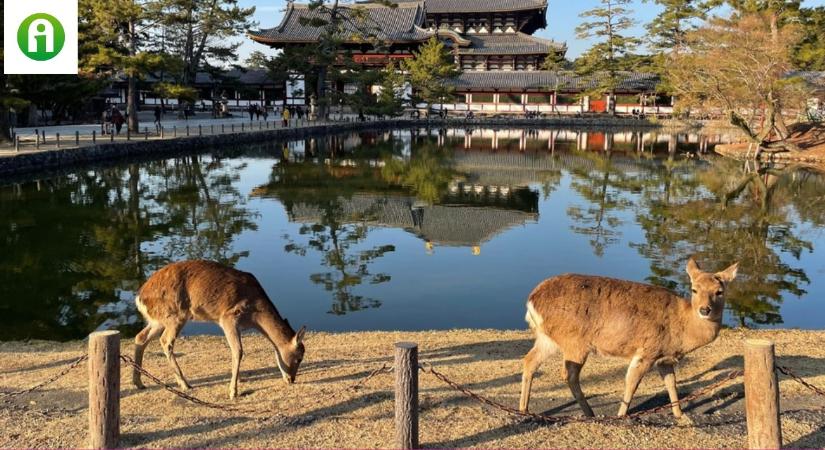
column 413, row 229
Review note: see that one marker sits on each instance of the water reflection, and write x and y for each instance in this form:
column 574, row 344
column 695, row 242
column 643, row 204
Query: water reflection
column 374, row 219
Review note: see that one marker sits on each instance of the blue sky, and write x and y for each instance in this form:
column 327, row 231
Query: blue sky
column 562, row 19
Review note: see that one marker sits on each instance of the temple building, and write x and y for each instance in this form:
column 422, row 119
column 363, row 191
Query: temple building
column 494, row 47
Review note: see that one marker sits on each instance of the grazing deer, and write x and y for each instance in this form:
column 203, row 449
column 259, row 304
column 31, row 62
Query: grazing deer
column 208, row 291
column 649, row 325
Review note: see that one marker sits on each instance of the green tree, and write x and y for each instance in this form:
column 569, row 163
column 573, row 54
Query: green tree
column 608, row 57
column 668, row 31
column 809, row 53
column 63, row 95
column 113, row 34
column 390, row 100
column 429, row 71
column 200, row 33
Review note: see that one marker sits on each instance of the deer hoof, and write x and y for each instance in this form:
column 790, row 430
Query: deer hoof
column 685, row 420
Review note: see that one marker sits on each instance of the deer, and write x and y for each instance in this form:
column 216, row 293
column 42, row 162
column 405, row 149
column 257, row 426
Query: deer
column 211, row 292
column 649, row 325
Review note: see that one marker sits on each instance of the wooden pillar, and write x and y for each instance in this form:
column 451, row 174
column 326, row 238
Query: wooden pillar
column 406, row 395
column 104, row 389
column 762, row 395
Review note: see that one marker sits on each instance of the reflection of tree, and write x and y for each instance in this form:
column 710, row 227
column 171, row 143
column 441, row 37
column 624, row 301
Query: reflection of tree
column 746, row 220
column 601, row 185
column 335, row 241
column 335, row 233
column 76, row 247
column 428, row 173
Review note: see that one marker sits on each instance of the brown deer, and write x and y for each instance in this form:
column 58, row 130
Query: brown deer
column 208, row 291
column 649, row 325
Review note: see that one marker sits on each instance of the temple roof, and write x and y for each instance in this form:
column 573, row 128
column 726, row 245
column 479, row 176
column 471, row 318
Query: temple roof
column 482, row 6
column 543, row 80
column 510, row 44
column 362, row 22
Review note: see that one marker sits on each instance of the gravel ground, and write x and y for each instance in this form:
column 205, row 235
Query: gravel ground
column 323, row 413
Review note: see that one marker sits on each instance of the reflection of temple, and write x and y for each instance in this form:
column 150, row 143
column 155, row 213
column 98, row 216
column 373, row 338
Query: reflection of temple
column 559, row 139
column 442, row 225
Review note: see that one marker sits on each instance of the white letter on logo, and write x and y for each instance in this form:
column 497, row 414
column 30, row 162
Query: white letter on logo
column 48, row 32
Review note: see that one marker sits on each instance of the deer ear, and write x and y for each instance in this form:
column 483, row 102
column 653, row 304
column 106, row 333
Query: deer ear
column 299, row 336
column 693, row 269
column 728, row 274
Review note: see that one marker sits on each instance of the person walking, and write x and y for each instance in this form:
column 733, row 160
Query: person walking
column 158, row 113
column 106, row 125
column 286, row 117
column 251, row 111
column 117, row 119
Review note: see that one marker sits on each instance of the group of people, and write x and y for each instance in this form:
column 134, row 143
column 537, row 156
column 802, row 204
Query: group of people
column 112, row 120
column 256, row 112
column 638, row 114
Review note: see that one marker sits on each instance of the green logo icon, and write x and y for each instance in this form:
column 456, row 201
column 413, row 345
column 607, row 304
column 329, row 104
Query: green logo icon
column 41, row 37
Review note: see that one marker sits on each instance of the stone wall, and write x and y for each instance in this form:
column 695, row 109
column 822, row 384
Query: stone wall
column 50, row 160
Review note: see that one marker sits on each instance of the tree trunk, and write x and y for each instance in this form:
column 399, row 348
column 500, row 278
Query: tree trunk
column 132, row 94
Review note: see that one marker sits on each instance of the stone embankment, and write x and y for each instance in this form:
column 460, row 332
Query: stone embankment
column 45, row 160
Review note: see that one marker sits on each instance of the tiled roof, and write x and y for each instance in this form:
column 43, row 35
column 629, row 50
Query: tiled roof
column 455, row 6
column 542, row 79
column 510, row 44
column 398, row 24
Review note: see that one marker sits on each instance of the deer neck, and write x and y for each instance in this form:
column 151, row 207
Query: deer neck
column 695, row 332
column 274, row 328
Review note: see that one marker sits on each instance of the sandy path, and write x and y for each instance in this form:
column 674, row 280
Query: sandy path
column 486, row 361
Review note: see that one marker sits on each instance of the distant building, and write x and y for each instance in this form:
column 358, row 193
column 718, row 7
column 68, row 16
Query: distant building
column 493, row 43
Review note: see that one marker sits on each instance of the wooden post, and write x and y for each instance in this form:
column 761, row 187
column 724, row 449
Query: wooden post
column 77, row 138
column 762, row 395
column 57, row 139
column 16, row 143
column 94, row 137
column 406, row 395
column 104, row 389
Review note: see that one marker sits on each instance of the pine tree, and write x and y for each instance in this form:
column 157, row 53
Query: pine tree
column 809, row 54
column 610, row 55
column 429, row 71
column 668, row 31
column 113, row 35
column 199, row 32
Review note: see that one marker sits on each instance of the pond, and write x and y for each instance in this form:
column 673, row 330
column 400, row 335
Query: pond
column 413, row 229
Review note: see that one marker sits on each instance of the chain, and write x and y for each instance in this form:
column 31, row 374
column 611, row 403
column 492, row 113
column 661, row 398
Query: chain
column 787, row 371
column 228, row 408
column 427, row 368
column 327, row 396
column 48, row 381
column 131, row 362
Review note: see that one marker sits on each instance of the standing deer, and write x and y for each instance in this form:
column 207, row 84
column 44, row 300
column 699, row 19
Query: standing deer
column 649, row 325
column 208, row 291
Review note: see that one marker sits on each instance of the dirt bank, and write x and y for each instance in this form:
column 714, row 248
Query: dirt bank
column 809, row 137
column 486, row 361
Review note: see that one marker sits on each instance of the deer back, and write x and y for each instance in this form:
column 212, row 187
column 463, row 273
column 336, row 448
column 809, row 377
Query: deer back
column 202, row 290
column 613, row 317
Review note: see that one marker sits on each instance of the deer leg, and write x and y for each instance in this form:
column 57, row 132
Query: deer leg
column 233, row 338
column 669, row 377
column 167, row 342
column 572, row 370
column 152, row 331
column 537, row 355
column 635, row 373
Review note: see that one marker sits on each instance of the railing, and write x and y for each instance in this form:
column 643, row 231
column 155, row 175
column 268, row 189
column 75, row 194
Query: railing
column 105, row 361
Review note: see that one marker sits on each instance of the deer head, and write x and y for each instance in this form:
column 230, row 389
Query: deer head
column 708, row 290
column 290, row 356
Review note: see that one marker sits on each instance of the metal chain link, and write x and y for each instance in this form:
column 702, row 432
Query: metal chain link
column 48, row 381
column 269, row 414
column 787, row 371
column 427, row 368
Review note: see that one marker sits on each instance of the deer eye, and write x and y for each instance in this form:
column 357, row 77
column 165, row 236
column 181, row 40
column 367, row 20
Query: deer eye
column 719, row 293
column 694, row 291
